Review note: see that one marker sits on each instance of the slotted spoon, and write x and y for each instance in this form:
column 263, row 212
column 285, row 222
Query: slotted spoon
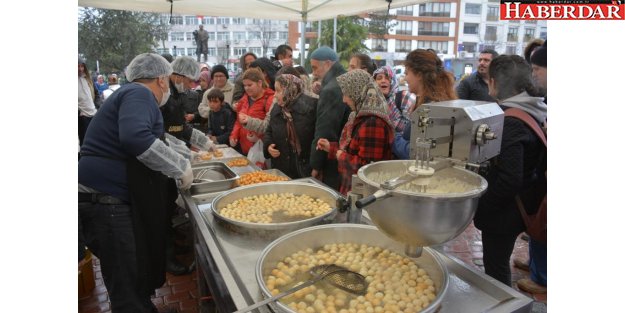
column 337, row 276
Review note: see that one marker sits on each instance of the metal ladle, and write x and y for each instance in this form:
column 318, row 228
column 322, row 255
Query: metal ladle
column 337, row 276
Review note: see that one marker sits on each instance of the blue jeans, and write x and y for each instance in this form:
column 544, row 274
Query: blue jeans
column 538, row 262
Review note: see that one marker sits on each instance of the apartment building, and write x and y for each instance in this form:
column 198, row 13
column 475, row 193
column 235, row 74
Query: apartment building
column 229, row 37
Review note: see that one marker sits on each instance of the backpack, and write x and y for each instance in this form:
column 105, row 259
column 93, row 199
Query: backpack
column 536, row 224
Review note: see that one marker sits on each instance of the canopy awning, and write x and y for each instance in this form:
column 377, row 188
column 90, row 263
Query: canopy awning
column 291, row 10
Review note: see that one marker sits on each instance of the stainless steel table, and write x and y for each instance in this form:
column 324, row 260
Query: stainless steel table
column 230, row 261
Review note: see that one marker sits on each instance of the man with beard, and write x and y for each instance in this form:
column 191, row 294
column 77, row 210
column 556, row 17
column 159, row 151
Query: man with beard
column 475, row 87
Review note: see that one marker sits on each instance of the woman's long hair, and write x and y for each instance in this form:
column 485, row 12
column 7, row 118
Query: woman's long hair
column 438, row 84
column 512, row 76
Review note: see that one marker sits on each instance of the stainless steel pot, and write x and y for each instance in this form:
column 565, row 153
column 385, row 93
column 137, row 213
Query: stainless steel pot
column 317, row 236
column 274, row 230
column 420, row 219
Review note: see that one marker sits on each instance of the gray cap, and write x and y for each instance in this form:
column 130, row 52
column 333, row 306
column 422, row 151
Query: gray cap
column 324, row 53
column 186, row 66
column 148, row 65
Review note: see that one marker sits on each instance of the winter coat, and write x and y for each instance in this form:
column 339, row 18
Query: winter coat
column 304, row 112
column 332, row 115
column 258, row 109
column 517, row 170
column 221, row 123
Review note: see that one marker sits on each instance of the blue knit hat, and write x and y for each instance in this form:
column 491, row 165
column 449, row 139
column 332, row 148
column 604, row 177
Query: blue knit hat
column 324, row 53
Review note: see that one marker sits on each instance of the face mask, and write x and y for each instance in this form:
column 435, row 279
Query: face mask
column 180, row 87
column 165, row 98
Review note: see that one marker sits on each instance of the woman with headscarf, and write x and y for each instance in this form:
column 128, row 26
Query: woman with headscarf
column 399, row 102
column 291, row 129
column 368, row 134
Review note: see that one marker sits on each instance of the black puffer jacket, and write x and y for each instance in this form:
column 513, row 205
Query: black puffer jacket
column 518, row 169
column 304, row 112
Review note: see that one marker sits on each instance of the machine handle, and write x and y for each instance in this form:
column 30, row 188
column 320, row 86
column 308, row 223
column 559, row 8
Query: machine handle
column 370, row 199
column 361, row 203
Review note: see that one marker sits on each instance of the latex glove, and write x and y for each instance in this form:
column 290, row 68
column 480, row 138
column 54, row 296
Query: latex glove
column 209, row 145
column 186, row 179
column 273, row 151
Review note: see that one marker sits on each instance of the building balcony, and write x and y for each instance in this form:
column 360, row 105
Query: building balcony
column 527, row 38
column 513, row 37
column 492, row 18
column 433, row 33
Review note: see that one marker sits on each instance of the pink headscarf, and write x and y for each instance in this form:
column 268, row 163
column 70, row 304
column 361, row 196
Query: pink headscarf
column 206, row 75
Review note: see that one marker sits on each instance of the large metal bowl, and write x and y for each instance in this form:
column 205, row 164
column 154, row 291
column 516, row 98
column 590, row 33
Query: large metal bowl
column 317, row 236
column 421, row 219
column 274, row 230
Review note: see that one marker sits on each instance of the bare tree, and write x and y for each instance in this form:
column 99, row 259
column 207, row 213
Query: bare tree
column 266, row 31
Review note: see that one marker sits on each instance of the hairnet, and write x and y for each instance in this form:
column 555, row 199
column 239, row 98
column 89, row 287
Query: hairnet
column 148, row 65
column 186, row 66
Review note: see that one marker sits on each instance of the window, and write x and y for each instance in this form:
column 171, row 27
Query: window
column 176, row 20
column 433, row 29
column 238, row 35
column 253, row 35
column 529, row 34
column 190, row 52
column 310, row 27
column 530, row 22
column 238, row 20
column 239, row 51
column 211, row 36
column 178, row 51
column 439, row 46
column 403, row 28
column 487, row 47
column 434, row 9
column 211, row 51
column 470, row 47
column 176, row 36
column 543, row 33
column 223, row 20
column 223, row 52
column 255, row 50
column 513, row 33
column 471, row 28
column 223, row 35
column 190, row 20
column 283, row 35
column 492, row 14
column 208, row 21
column 378, row 44
column 403, row 45
column 407, row 10
column 491, row 33
column 189, row 37
column 162, row 50
column 256, row 21
column 473, row 8
column 511, row 49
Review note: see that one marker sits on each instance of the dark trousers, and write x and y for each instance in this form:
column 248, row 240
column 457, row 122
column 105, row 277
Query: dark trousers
column 108, row 232
column 497, row 249
column 538, row 262
column 83, row 123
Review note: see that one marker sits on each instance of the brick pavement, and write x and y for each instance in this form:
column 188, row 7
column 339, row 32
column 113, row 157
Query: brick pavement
column 181, row 292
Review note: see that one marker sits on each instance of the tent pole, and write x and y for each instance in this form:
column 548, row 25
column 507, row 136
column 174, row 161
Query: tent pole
column 302, row 41
column 334, row 35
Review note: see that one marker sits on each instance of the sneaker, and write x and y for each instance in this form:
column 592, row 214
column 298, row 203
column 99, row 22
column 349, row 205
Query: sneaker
column 521, row 264
column 530, row 286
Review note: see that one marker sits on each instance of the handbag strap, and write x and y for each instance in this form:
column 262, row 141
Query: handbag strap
column 524, row 215
column 529, row 121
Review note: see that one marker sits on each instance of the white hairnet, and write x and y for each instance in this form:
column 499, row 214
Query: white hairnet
column 148, row 65
column 186, row 66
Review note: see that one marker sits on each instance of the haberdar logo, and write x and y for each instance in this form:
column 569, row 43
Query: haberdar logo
column 562, row 10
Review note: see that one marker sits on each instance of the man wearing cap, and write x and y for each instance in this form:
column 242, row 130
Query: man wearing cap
column 332, row 114
column 475, row 87
column 122, row 183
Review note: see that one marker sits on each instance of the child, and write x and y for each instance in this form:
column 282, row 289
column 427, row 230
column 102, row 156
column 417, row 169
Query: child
column 221, row 117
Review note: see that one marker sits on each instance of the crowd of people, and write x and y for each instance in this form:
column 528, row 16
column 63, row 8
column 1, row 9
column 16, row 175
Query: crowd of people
column 136, row 147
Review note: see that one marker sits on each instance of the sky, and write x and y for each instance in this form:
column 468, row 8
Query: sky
column 40, row 148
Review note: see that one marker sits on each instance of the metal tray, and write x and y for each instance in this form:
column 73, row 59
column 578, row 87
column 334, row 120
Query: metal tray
column 228, row 153
column 241, row 169
column 220, row 177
